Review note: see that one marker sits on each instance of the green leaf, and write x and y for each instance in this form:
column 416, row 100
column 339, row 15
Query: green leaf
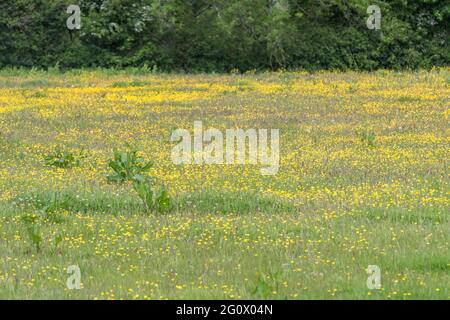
column 35, row 238
column 162, row 201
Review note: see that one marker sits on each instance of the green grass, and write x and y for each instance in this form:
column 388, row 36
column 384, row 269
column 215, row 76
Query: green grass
column 197, row 255
column 363, row 181
column 216, row 246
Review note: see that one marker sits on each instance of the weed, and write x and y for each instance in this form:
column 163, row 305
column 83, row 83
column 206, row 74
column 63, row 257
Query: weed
column 128, row 166
column 263, row 287
column 351, row 89
column 154, row 199
column 267, row 285
column 32, row 224
column 58, row 239
column 33, row 233
column 368, row 139
column 64, row 159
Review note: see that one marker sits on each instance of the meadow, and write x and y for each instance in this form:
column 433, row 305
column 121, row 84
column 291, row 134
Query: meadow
column 363, row 180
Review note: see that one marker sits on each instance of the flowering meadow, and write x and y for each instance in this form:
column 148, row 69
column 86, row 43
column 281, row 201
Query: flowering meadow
column 363, row 180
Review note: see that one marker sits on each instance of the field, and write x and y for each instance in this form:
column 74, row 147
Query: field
column 363, row 180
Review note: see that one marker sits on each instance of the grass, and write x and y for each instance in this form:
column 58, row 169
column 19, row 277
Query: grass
column 363, row 181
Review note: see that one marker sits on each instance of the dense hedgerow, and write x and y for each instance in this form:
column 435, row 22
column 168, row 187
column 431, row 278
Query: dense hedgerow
column 222, row 35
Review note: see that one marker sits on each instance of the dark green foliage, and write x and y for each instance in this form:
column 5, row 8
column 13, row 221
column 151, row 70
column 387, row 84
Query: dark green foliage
column 33, row 233
column 64, row 159
column 368, row 139
column 153, row 199
column 267, row 284
column 128, row 166
column 33, row 224
column 223, row 35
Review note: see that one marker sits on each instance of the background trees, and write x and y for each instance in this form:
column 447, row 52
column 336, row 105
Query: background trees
column 221, row 35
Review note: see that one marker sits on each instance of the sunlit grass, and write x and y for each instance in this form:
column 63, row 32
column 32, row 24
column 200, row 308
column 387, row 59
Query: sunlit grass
column 364, row 180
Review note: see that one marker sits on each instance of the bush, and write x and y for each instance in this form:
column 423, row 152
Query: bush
column 194, row 36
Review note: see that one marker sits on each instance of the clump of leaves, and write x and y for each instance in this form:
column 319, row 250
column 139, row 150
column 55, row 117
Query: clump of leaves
column 32, row 231
column 32, row 223
column 266, row 285
column 153, row 198
column 64, row 159
column 368, row 139
column 58, row 239
column 128, row 166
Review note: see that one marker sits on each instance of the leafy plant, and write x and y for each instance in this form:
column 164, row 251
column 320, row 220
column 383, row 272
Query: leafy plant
column 162, row 200
column 32, row 232
column 64, row 159
column 154, row 199
column 266, row 285
column 263, row 287
column 368, row 139
column 32, row 222
column 34, row 237
column 57, row 241
column 128, row 166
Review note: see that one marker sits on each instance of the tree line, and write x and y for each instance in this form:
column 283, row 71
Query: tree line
column 225, row 35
